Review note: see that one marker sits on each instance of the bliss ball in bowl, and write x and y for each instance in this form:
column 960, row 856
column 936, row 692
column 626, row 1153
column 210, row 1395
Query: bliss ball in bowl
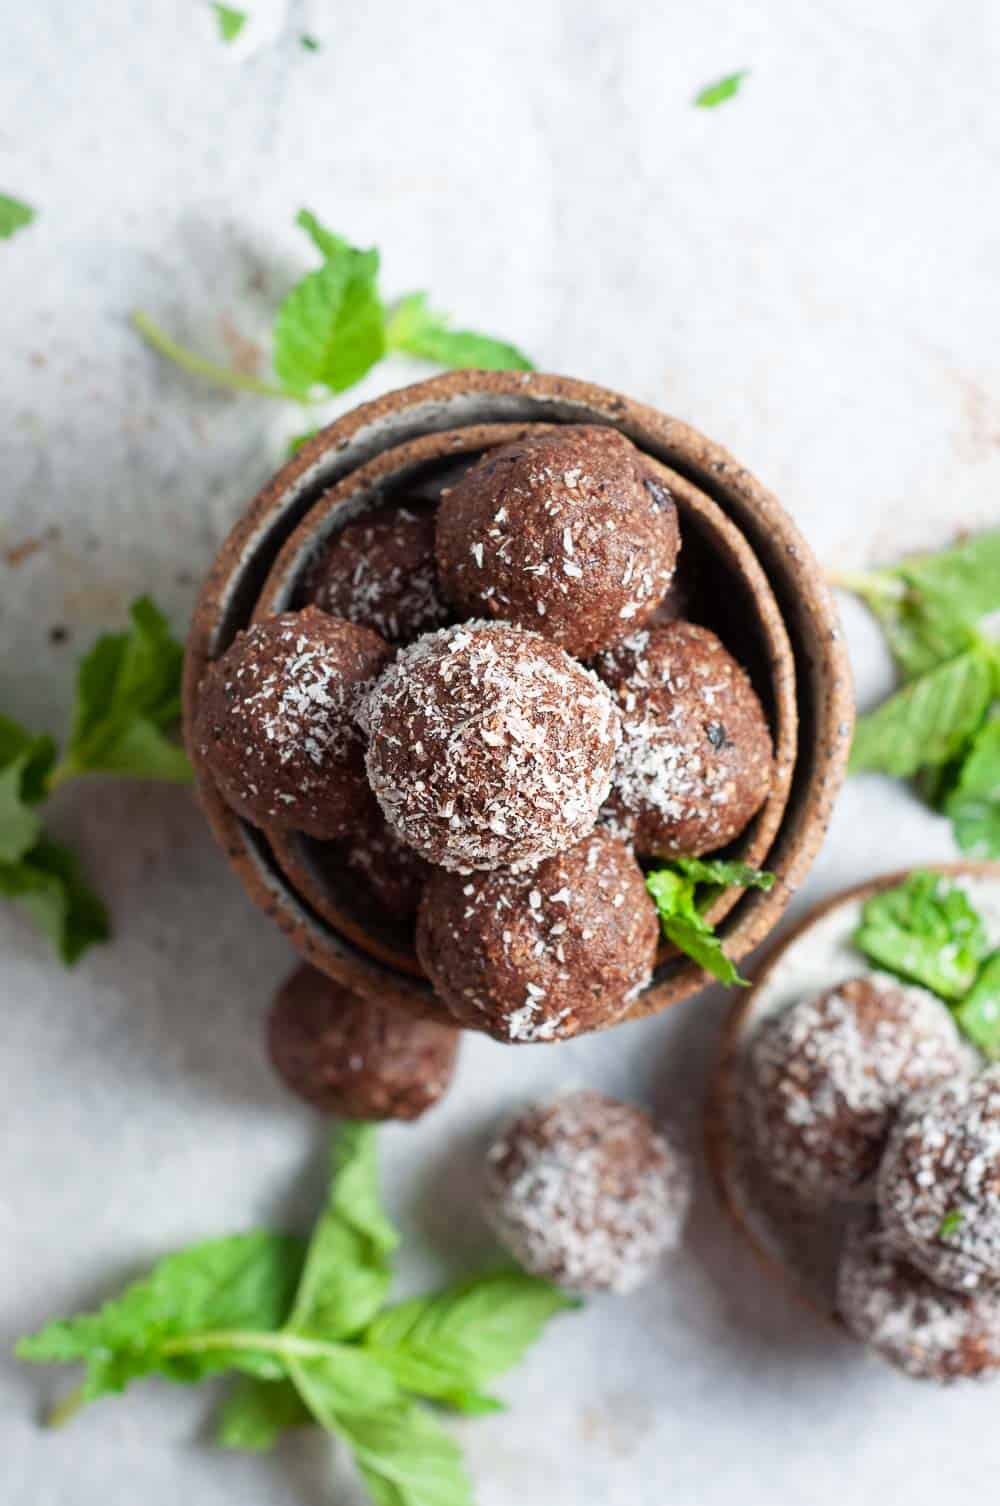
column 560, row 533
column 489, row 746
column 353, row 1057
column 379, row 571
column 826, row 1077
column 695, row 762
column 541, row 953
column 926, row 1331
column 939, row 1183
column 587, row 1193
column 276, row 725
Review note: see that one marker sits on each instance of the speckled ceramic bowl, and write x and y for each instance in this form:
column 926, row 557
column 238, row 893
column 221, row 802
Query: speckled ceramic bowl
column 418, row 437
column 798, row 1247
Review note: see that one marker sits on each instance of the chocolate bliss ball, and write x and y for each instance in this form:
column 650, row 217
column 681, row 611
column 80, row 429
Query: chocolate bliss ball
column 379, row 571
column 355, row 1058
column 489, row 746
column 543, row 953
column 924, row 1330
column 276, row 722
column 939, row 1183
column 585, row 1192
column 695, row 761
column 827, row 1076
column 559, row 533
column 393, row 872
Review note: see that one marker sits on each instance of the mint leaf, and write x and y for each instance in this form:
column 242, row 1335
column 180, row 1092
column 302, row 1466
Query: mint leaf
column 726, row 874
column 973, row 806
column 413, row 327
column 686, row 928
column 965, row 579
column 348, row 1267
column 926, row 931
column 978, row 1015
column 922, row 631
column 926, row 722
column 341, row 1383
column 407, row 1459
column 308, row 43
column 298, row 440
column 951, row 1223
column 449, row 1345
column 231, row 22
column 180, row 1321
column 14, row 216
column 257, row 1412
column 718, row 93
column 50, row 887
column 330, row 329
column 26, row 760
column 127, row 696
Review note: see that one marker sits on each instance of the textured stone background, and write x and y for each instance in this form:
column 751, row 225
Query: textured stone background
column 808, row 273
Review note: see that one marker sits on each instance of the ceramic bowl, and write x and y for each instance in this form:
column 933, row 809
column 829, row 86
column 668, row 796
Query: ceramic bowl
column 775, row 612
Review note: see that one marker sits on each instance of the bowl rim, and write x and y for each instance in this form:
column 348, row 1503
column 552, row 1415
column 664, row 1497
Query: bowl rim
column 459, row 400
column 724, row 1079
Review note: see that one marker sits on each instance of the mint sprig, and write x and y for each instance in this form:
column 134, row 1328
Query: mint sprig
column 127, row 701
column 306, row 1328
column 940, row 728
column 333, row 327
column 675, row 892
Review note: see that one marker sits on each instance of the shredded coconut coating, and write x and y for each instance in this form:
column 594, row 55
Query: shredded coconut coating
column 826, row 1077
column 696, row 760
column 277, row 721
column 379, row 571
column 560, row 533
column 544, row 953
column 584, row 1191
column 924, row 1330
column 489, row 746
column 939, row 1183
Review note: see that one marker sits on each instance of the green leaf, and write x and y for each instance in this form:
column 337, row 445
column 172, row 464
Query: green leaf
column 231, row 22
column 257, row 1412
column 407, row 1459
column 718, row 93
column 330, row 330
column 49, row 886
column 415, row 328
column 165, row 1323
column 449, row 1345
column 686, row 928
column 308, row 43
column 298, row 440
column 348, row 1267
column 14, row 216
column 724, row 873
column 926, row 722
column 922, row 631
column 965, row 580
column 25, row 763
column 973, row 806
column 951, row 1223
column 926, row 931
column 127, row 695
column 978, row 1015
column 342, row 1383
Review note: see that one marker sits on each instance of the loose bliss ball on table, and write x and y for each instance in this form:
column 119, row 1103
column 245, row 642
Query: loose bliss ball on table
column 585, row 1191
column 696, row 761
column 542, row 953
column 924, row 1330
column 379, row 571
column 489, row 746
column 559, row 533
column 276, row 721
column 939, row 1183
column 350, row 1056
column 826, row 1077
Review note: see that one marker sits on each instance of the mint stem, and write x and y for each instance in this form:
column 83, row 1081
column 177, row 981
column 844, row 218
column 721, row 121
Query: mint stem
column 64, row 1411
column 287, row 1344
column 222, row 376
column 860, row 583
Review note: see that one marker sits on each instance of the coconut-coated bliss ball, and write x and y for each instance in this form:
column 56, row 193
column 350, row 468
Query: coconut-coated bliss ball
column 379, row 571
column 559, row 533
column 276, row 721
column 542, row 953
column 489, row 746
column 695, row 762
column 923, row 1329
column 826, row 1076
column 393, row 872
column 939, row 1183
column 586, row 1192
column 350, row 1056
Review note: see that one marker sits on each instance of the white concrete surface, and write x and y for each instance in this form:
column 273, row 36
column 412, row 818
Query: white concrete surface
column 808, row 274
